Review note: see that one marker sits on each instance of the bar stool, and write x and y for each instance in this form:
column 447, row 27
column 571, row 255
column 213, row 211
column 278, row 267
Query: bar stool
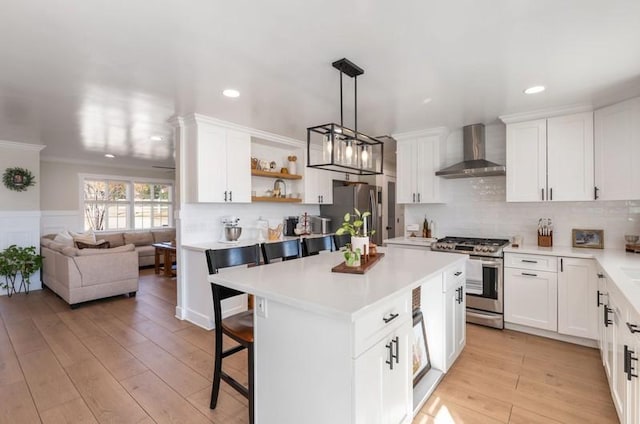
column 239, row 327
column 315, row 245
column 285, row 250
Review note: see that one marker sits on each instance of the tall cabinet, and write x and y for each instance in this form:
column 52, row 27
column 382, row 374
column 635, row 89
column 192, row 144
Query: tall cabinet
column 418, row 159
column 550, row 159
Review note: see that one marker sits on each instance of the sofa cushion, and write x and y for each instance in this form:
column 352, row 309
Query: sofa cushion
column 146, row 250
column 63, row 237
column 164, row 235
column 100, row 244
column 114, row 239
column 143, row 238
column 87, row 237
column 90, row 252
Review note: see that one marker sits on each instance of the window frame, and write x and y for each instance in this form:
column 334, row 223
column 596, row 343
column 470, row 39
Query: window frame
column 131, row 203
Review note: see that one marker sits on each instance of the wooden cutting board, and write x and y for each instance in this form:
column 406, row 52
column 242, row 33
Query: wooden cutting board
column 635, row 248
column 343, row 268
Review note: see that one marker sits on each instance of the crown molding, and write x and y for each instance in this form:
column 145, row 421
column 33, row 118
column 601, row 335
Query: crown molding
column 55, row 159
column 22, row 146
column 545, row 113
column 439, row 131
column 196, row 118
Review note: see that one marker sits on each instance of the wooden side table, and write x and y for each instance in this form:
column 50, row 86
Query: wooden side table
column 168, row 251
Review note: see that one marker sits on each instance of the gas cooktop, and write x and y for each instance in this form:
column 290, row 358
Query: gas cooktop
column 471, row 245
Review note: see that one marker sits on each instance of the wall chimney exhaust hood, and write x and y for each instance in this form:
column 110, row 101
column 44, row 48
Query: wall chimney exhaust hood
column 474, row 164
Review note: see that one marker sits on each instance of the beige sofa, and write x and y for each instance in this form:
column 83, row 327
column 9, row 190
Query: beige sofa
column 80, row 275
column 142, row 240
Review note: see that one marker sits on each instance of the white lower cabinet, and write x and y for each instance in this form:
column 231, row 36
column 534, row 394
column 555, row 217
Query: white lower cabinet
column 384, row 380
column 455, row 310
column 577, row 289
column 619, row 342
column 531, row 298
column 551, row 293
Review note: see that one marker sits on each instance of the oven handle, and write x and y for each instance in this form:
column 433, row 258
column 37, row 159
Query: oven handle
column 490, row 264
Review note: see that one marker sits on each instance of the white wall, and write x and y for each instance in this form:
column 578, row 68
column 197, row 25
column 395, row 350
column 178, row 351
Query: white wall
column 60, row 190
column 477, row 206
column 19, row 210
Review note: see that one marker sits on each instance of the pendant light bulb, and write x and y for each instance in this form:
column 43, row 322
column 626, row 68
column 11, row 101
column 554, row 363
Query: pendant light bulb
column 349, row 151
column 365, row 156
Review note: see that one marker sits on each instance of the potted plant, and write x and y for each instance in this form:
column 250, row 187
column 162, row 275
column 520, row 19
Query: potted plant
column 356, row 226
column 16, row 260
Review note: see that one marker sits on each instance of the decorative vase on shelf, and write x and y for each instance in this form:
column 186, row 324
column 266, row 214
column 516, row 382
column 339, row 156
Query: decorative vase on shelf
column 362, row 243
column 292, row 167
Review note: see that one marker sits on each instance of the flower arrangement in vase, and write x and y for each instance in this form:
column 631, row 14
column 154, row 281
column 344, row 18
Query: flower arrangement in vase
column 356, row 226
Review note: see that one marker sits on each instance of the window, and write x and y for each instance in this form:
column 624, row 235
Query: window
column 126, row 203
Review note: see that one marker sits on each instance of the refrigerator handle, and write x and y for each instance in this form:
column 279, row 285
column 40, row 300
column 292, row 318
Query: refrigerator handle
column 373, row 201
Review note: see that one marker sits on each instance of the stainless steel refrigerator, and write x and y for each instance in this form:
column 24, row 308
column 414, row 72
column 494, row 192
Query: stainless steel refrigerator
column 364, row 197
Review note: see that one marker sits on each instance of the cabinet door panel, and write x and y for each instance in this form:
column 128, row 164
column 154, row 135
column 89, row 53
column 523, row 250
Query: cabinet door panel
column 451, row 323
column 405, row 172
column 531, row 298
column 570, row 157
column 398, row 382
column 426, row 161
column 211, row 164
column 617, row 147
column 238, row 166
column 577, row 310
column 526, row 161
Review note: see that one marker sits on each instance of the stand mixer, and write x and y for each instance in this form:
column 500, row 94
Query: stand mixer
column 231, row 230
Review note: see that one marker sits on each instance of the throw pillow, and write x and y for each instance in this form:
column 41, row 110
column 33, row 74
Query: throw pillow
column 88, row 237
column 102, row 244
column 63, row 237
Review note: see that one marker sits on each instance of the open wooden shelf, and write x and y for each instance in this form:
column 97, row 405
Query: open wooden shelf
column 275, row 199
column 260, row 173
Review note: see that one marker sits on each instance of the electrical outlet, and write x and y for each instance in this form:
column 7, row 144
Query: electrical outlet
column 261, row 307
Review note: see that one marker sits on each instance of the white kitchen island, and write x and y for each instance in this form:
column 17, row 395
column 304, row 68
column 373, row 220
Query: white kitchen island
column 336, row 348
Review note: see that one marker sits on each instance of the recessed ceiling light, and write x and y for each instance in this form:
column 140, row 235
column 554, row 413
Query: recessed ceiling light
column 427, row 100
column 109, row 155
column 155, row 138
column 535, row 89
column 231, row 93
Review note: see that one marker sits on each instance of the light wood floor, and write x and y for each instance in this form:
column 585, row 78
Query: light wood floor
column 128, row 360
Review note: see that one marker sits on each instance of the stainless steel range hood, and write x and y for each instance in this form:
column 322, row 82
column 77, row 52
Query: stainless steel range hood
column 474, row 164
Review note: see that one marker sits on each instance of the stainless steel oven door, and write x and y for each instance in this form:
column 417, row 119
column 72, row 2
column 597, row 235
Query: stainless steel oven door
column 485, row 292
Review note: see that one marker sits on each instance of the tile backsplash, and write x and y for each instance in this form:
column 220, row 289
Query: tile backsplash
column 476, row 207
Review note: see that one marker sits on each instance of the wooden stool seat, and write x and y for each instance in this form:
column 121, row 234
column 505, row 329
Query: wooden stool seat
column 239, row 326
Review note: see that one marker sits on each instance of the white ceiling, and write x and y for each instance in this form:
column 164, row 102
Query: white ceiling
column 87, row 77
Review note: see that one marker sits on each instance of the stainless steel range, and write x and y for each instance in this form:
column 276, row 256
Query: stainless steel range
column 485, row 280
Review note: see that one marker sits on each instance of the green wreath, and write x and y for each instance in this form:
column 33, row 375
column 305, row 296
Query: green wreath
column 18, row 179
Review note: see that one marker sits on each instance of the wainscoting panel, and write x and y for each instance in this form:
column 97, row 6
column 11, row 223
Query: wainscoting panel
column 21, row 228
column 53, row 222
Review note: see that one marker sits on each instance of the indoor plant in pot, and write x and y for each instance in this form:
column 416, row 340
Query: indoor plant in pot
column 356, row 226
column 16, row 260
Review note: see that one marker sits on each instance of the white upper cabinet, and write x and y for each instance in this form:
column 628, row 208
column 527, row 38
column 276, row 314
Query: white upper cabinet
column 551, row 159
column 526, row 161
column 617, row 150
column 570, row 157
column 418, row 159
column 216, row 162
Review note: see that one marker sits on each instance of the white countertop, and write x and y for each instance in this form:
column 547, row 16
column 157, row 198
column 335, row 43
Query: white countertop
column 240, row 243
column 308, row 283
column 612, row 261
column 410, row 241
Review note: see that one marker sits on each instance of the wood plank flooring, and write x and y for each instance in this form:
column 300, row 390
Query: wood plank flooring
column 128, row 360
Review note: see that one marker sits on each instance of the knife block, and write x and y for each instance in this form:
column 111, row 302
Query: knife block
column 545, row 241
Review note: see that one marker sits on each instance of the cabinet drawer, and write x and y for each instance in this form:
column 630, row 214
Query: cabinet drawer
column 533, row 262
column 454, row 277
column 380, row 321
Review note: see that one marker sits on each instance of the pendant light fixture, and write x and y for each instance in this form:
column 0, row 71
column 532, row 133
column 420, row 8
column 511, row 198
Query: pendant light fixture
column 335, row 147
